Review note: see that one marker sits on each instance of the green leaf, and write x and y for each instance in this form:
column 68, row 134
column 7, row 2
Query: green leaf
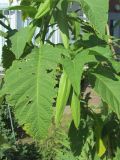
column 117, row 154
column 74, row 68
column 116, row 65
column 63, row 95
column 43, row 9
column 96, row 12
column 103, row 50
column 29, row 10
column 96, row 157
column 63, row 23
column 19, row 40
column 26, row 2
column 75, row 108
column 100, row 146
column 7, row 57
column 90, row 40
column 108, row 88
column 30, row 89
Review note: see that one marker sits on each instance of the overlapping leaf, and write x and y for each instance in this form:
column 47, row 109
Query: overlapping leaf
column 74, row 68
column 104, row 53
column 29, row 10
column 43, row 9
column 20, row 39
column 97, row 12
column 108, row 87
column 103, row 50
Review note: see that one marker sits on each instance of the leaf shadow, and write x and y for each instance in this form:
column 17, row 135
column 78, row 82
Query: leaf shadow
column 77, row 138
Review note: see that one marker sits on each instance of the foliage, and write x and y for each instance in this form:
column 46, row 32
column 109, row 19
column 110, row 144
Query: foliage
column 22, row 151
column 85, row 54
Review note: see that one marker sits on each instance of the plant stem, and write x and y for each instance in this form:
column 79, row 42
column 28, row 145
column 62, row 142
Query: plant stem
column 46, row 25
column 110, row 40
column 5, row 26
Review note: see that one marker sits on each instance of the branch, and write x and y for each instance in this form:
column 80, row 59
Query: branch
column 110, row 40
column 5, row 26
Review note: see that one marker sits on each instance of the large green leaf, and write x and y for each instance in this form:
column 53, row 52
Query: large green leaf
column 108, row 87
column 20, row 39
column 97, row 12
column 30, row 88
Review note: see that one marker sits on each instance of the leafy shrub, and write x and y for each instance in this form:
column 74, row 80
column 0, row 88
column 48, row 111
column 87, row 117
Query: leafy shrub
column 86, row 53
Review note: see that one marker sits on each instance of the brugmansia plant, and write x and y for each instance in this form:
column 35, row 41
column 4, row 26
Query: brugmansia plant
column 35, row 67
